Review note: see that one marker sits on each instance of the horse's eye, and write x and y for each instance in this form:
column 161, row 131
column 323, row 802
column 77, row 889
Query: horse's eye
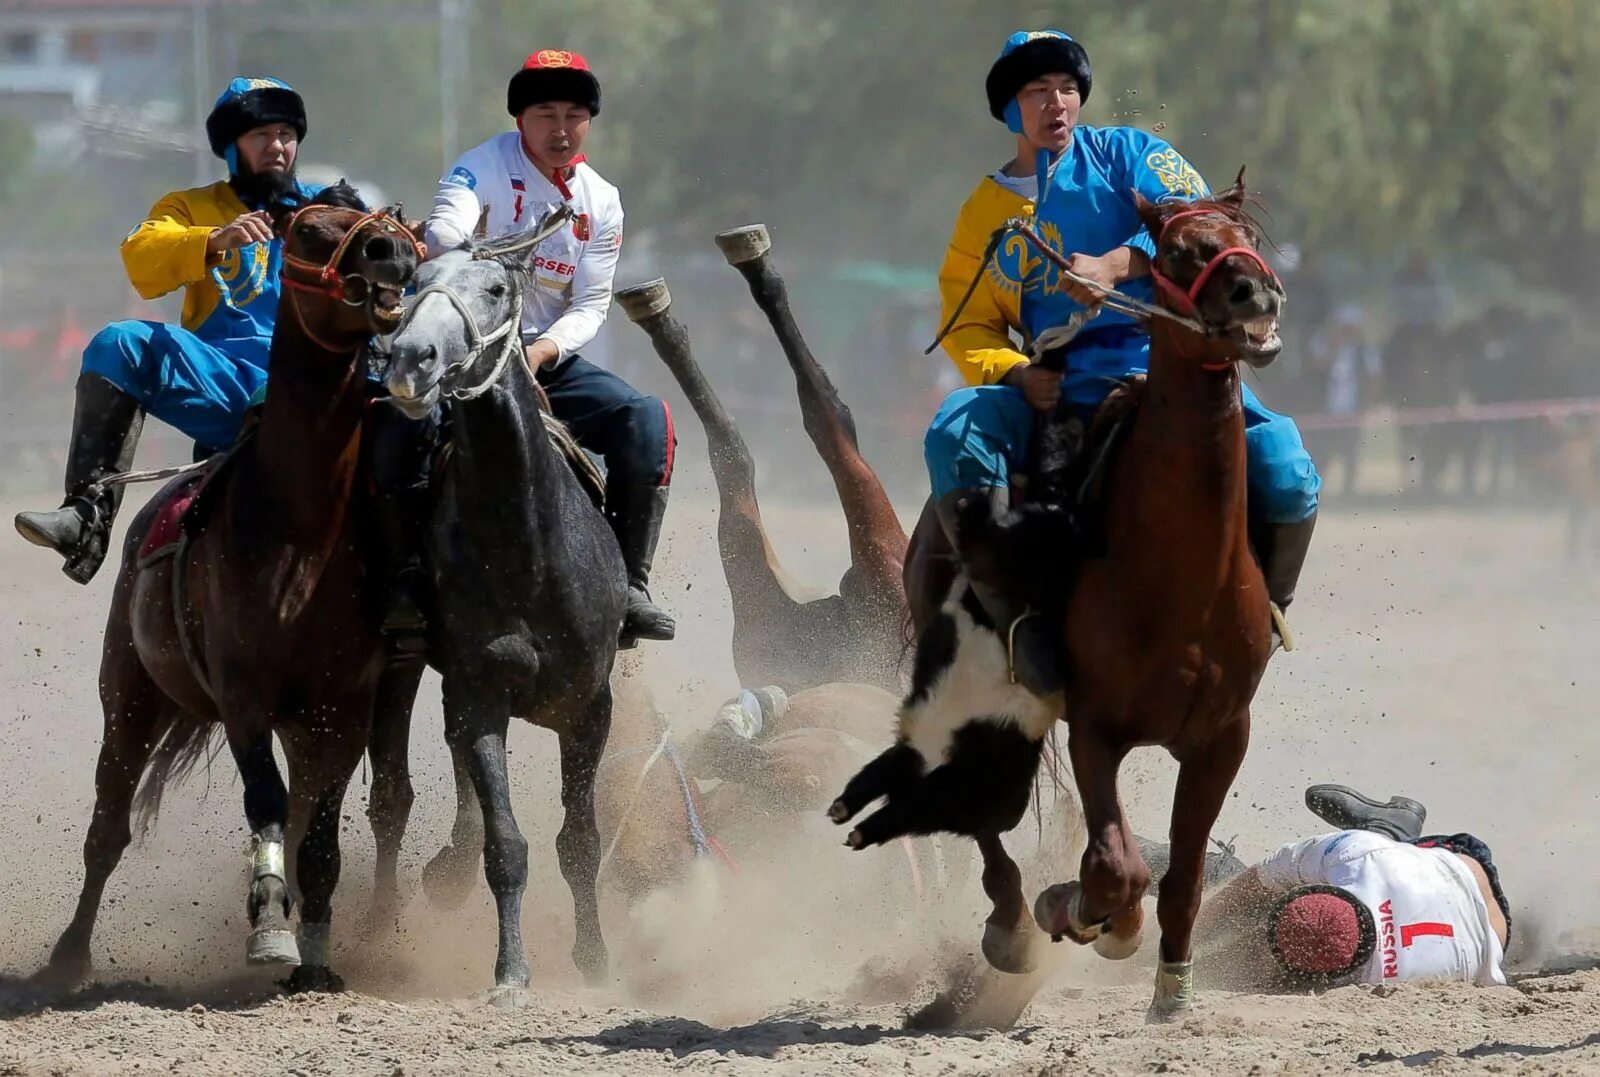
column 497, row 290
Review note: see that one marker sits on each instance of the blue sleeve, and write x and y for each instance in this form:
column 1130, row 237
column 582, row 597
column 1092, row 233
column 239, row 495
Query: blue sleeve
column 1152, row 167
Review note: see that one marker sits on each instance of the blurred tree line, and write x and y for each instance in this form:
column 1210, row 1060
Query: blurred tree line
column 856, row 127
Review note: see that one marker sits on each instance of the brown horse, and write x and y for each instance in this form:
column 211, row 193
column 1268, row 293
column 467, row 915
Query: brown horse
column 855, row 635
column 257, row 618
column 1168, row 628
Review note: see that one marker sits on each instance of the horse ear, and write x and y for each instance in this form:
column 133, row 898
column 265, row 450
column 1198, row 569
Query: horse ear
column 1148, row 212
column 1235, row 194
column 481, row 229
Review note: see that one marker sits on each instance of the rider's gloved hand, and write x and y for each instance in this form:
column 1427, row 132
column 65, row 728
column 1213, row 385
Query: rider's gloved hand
column 1040, row 387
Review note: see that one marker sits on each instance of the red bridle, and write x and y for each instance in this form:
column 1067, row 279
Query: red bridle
column 325, row 276
column 1184, row 301
column 326, row 280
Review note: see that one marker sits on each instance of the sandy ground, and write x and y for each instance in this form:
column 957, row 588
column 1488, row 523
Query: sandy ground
column 1444, row 655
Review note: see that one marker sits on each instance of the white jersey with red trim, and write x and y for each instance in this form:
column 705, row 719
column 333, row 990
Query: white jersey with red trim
column 574, row 269
column 1431, row 918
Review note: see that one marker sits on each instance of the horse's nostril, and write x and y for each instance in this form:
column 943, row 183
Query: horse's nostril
column 378, row 248
column 1243, row 292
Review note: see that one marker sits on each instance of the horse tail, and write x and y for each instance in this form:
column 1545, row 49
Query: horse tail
column 181, row 747
column 1052, row 773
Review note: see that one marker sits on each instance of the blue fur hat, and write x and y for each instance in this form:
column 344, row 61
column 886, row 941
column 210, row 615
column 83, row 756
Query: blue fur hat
column 249, row 103
column 1026, row 55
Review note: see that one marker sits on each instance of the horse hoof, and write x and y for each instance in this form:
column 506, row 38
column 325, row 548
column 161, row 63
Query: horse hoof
column 1009, row 951
column 1174, row 991
column 62, row 973
column 272, row 946
column 318, row 979
column 856, row 840
column 446, row 881
column 595, row 967
column 1113, row 948
column 839, row 811
column 508, row 997
column 1053, row 911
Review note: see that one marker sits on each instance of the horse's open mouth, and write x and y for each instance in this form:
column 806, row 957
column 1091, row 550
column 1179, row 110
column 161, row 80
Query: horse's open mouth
column 1258, row 338
column 388, row 307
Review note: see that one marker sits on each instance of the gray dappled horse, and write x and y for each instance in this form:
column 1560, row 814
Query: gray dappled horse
column 530, row 593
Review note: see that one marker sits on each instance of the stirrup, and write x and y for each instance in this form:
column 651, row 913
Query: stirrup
column 1280, row 628
column 1011, row 644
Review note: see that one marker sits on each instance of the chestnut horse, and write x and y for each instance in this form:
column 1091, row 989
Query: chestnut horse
column 1166, row 618
column 258, row 619
column 855, row 635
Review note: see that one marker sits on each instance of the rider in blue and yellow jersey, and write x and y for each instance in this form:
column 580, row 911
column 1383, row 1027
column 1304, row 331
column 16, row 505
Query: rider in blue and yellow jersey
column 1077, row 183
column 217, row 244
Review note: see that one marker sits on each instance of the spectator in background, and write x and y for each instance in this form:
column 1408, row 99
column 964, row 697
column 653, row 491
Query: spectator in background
column 1422, row 372
column 1351, row 369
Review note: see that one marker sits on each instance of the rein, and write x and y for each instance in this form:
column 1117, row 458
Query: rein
column 1186, row 315
column 1114, row 300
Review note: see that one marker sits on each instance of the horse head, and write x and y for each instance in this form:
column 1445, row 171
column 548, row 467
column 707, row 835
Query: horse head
column 346, row 267
column 1208, row 267
column 466, row 319
column 468, row 303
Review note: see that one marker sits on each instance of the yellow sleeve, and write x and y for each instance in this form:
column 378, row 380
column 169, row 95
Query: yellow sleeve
column 980, row 341
column 167, row 251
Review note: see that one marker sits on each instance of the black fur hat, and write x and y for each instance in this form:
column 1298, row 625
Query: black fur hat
column 553, row 75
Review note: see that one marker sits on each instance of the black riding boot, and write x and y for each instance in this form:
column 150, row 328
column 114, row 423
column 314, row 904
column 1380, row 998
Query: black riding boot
column 1220, row 864
column 105, row 432
column 1401, row 818
column 636, row 512
column 402, row 520
column 1281, row 549
column 1032, row 641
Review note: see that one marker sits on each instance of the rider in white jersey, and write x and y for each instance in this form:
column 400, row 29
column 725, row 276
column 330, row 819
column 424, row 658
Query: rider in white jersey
column 510, row 182
column 1373, row 902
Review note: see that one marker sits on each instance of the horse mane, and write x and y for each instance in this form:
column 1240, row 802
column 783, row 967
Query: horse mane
column 341, row 195
column 507, row 252
column 1246, row 212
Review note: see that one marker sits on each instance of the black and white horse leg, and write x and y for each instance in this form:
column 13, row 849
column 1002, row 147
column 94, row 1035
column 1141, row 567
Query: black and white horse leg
column 931, row 804
column 578, row 842
column 449, row 877
column 894, row 770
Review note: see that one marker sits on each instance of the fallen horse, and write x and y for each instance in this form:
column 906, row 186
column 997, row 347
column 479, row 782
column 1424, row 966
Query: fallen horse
column 856, row 635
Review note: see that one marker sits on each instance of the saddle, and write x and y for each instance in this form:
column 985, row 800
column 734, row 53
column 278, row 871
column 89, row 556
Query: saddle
column 584, row 467
column 1068, row 466
column 1055, row 519
column 590, row 477
column 184, row 505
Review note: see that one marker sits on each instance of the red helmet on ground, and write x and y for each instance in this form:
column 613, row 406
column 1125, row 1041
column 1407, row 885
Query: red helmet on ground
column 553, row 75
column 1321, row 933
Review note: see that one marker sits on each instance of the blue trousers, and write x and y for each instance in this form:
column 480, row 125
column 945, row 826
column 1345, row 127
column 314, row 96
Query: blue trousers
column 981, row 436
column 177, row 377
